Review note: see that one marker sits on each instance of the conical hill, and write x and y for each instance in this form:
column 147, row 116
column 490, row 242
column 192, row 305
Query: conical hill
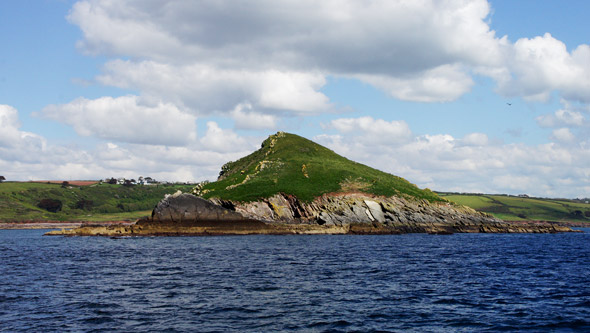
column 290, row 164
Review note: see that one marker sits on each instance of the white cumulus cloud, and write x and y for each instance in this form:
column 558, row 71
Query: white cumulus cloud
column 563, row 135
column 471, row 164
column 562, row 117
column 277, row 54
column 26, row 156
column 543, row 64
column 126, row 119
column 245, row 118
column 373, row 130
column 204, row 88
column 222, row 140
column 15, row 143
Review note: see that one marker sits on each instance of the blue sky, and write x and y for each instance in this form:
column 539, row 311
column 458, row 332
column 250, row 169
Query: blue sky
column 172, row 90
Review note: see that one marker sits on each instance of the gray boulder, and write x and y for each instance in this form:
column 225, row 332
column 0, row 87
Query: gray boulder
column 183, row 207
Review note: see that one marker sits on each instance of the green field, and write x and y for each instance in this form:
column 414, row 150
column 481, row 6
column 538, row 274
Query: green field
column 19, row 201
column 287, row 163
column 512, row 208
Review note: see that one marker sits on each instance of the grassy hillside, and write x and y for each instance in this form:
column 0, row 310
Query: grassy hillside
column 294, row 165
column 518, row 209
column 104, row 202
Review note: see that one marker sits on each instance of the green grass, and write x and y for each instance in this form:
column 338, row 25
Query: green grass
column 475, row 202
column 518, row 208
column 287, row 163
column 18, row 201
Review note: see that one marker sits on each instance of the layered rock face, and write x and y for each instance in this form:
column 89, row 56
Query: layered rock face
column 349, row 213
column 365, row 213
column 339, row 209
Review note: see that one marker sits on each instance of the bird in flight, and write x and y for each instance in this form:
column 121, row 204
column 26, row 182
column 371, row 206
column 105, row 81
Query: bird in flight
column 509, row 104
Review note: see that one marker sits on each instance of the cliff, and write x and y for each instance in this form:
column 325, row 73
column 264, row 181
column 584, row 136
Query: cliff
column 350, row 213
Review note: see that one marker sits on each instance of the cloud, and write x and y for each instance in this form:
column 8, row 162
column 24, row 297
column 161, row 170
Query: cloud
column 23, row 154
column 471, row 164
column 203, row 88
column 197, row 162
column 252, row 120
column 26, row 156
column 222, row 140
column 350, row 36
column 570, row 124
column 9, row 125
column 563, row 135
column 475, row 139
column 441, row 84
column 213, row 56
column 126, row 119
column 562, row 118
column 371, row 130
column 276, row 54
column 542, row 64
column 14, row 143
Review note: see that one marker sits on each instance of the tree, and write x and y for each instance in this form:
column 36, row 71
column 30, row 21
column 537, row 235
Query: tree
column 65, row 184
column 50, row 205
column 84, row 204
column 112, row 181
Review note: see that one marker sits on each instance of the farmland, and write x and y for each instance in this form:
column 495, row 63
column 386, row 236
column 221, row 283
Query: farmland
column 35, row 201
column 512, row 208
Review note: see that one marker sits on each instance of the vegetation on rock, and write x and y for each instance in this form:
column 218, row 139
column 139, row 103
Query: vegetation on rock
column 290, row 164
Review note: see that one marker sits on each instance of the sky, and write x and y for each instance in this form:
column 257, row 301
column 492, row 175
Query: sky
column 462, row 96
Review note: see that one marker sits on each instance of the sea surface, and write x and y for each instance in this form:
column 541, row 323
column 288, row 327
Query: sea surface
column 414, row 282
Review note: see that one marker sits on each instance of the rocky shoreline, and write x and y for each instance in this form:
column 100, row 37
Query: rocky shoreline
column 24, row 225
column 338, row 213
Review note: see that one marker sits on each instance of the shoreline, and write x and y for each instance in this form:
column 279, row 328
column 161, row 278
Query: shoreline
column 575, row 224
column 253, row 227
column 25, row 225
column 28, row 225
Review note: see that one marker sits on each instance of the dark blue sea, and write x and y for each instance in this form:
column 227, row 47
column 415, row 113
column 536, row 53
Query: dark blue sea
column 414, row 282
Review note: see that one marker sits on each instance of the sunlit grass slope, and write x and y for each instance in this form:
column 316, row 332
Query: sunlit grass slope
column 288, row 163
column 19, row 201
column 522, row 208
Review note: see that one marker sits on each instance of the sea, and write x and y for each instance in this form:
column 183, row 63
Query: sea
column 319, row 283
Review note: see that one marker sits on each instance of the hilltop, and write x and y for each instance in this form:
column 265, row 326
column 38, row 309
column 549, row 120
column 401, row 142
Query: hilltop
column 290, row 164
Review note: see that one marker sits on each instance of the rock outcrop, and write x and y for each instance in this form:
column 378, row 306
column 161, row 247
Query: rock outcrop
column 180, row 208
column 374, row 214
column 342, row 213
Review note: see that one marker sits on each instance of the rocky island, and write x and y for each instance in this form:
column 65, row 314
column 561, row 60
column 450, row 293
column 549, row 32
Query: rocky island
column 292, row 185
